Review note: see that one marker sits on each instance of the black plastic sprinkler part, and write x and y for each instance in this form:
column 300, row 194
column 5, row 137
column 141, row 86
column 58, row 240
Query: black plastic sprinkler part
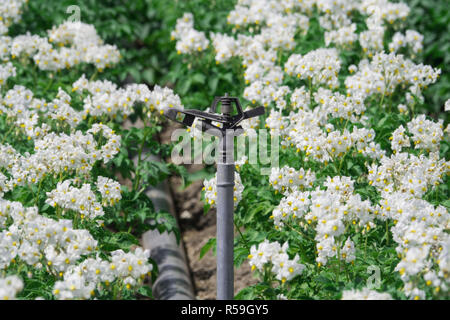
column 228, row 121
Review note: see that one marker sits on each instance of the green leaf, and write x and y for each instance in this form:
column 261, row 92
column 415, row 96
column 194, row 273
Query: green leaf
column 185, row 86
column 149, row 76
column 227, row 77
column 145, row 290
column 206, row 208
column 240, row 254
column 213, row 85
column 136, row 75
column 198, row 78
column 211, row 244
column 446, row 203
column 119, row 240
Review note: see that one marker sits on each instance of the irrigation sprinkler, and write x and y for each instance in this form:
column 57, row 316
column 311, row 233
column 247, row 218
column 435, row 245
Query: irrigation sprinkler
column 227, row 128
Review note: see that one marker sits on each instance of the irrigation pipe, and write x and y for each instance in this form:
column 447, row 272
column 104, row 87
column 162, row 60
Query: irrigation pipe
column 173, row 281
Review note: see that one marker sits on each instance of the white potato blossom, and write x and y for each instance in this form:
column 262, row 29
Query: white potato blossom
column 81, row 281
column 73, row 287
column 225, row 46
column 54, row 154
column 348, row 251
column 291, row 207
column 320, row 66
column 426, row 134
column 264, row 71
column 11, row 11
column 55, row 246
column 188, row 39
column 130, row 266
column 387, row 71
column 277, row 123
column 327, row 212
column 81, row 200
column 105, row 98
column 39, row 241
column 261, row 92
column 109, row 189
column 6, row 71
column 447, row 105
column 274, row 255
column 10, row 286
column 287, row 179
column 111, row 147
column 300, row 98
column 330, row 211
column 408, row 173
column 337, row 105
column 308, row 131
column 5, row 46
column 411, row 39
column 75, row 43
column 59, row 153
column 385, row 10
column 84, row 45
column 420, row 235
column 343, row 37
column 279, row 32
column 371, row 40
column 399, row 140
column 27, row 45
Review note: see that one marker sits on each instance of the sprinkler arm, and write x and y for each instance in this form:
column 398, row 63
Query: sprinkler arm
column 229, row 122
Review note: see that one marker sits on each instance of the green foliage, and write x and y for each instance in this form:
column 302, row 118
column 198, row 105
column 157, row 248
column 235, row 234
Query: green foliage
column 432, row 19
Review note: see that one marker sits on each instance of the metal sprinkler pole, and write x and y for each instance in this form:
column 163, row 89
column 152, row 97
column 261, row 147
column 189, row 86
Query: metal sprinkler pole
column 225, row 208
column 225, row 177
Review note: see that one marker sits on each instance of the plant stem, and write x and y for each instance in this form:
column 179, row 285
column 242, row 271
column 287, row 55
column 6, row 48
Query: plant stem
column 138, row 174
column 298, row 231
column 387, row 233
column 365, row 246
column 11, row 128
column 310, row 93
column 94, row 75
column 339, row 264
column 36, row 200
column 49, row 85
column 242, row 236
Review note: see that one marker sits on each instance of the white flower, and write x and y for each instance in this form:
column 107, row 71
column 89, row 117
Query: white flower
column 109, row 189
column 188, row 39
column 321, row 66
column 399, row 139
column 348, row 251
column 272, row 253
column 447, row 105
column 287, row 179
column 9, row 287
